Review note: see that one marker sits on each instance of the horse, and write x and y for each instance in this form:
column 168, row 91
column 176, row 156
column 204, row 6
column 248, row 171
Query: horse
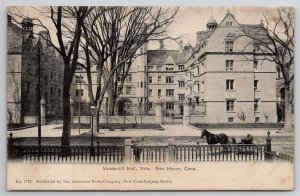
column 214, row 138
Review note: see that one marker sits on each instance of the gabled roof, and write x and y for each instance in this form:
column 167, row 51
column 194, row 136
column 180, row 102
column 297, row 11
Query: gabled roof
column 159, row 57
column 170, row 61
column 257, row 31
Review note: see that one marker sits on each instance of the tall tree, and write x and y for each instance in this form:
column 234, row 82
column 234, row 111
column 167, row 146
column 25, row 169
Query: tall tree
column 67, row 22
column 273, row 40
column 112, row 42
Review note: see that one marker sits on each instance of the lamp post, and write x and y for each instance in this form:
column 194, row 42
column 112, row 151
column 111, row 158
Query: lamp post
column 79, row 102
column 92, row 152
column 39, row 93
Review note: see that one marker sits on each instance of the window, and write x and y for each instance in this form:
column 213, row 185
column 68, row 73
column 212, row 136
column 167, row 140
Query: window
column 59, row 77
column 181, row 84
column 180, row 67
column 79, row 68
column 159, row 68
column 255, row 85
column 128, row 90
column 51, row 75
column 59, row 92
column 256, row 101
column 78, row 92
column 170, row 105
column 120, row 78
column 228, row 23
column 229, row 46
column 150, row 79
column 181, row 97
column 169, row 67
column 150, row 105
column 141, row 84
column 51, row 90
column 150, row 92
column 255, row 62
column 202, row 87
column 229, row 105
column 229, row 65
column 229, row 84
column 256, row 119
column 198, row 70
column 79, row 79
column 150, row 67
column 170, row 92
column 129, row 78
column 159, row 79
column 120, row 90
column 198, row 87
column 159, row 92
column 169, row 79
column 230, row 119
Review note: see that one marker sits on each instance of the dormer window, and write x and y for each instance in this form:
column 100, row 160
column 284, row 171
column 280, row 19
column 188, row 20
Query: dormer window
column 229, row 46
column 169, row 67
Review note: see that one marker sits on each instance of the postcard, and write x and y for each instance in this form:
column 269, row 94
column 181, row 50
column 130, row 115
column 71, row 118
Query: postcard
column 150, row 98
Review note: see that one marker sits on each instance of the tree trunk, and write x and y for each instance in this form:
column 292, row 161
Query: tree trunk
column 95, row 125
column 110, row 97
column 288, row 127
column 66, row 133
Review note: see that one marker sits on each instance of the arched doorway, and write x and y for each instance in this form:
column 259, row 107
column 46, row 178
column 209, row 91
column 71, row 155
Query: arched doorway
column 124, row 108
column 180, row 109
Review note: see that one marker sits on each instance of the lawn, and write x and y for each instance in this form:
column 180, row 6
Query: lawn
column 116, row 126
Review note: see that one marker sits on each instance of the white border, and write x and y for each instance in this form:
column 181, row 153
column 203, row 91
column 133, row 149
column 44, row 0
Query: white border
column 3, row 35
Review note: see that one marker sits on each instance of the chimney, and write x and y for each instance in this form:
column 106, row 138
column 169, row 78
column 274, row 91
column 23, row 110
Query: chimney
column 161, row 45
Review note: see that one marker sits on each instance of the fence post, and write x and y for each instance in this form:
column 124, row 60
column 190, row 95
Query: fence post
column 268, row 148
column 158, row 113
column 43, row 111
column 123, row 127
column 10, row 146
column 128, row 144
column 186, row 112
column 171, row 150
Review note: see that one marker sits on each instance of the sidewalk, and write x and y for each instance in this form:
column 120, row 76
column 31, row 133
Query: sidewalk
column 170, row 130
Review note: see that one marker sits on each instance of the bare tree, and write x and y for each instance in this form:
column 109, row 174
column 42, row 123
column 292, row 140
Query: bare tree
column 112, row 42
column 67, row 21
column 273, row 40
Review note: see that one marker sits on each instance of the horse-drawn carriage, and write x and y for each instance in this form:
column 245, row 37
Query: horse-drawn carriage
column 246, row 146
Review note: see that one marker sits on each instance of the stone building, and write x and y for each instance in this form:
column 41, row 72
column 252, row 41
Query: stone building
column 22, row 74
column 227, row 78
column 166, row 78
column 218, row 81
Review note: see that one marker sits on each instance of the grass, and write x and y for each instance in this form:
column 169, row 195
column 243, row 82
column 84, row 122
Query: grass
column 239, row 125
column 115, row 126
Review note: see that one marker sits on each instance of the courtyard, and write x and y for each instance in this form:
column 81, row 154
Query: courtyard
column 182, row 134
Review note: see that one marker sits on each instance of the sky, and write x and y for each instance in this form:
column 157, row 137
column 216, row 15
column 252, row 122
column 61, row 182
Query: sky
column 188, row 20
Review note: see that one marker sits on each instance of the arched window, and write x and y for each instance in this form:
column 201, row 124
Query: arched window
column 282, row 94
